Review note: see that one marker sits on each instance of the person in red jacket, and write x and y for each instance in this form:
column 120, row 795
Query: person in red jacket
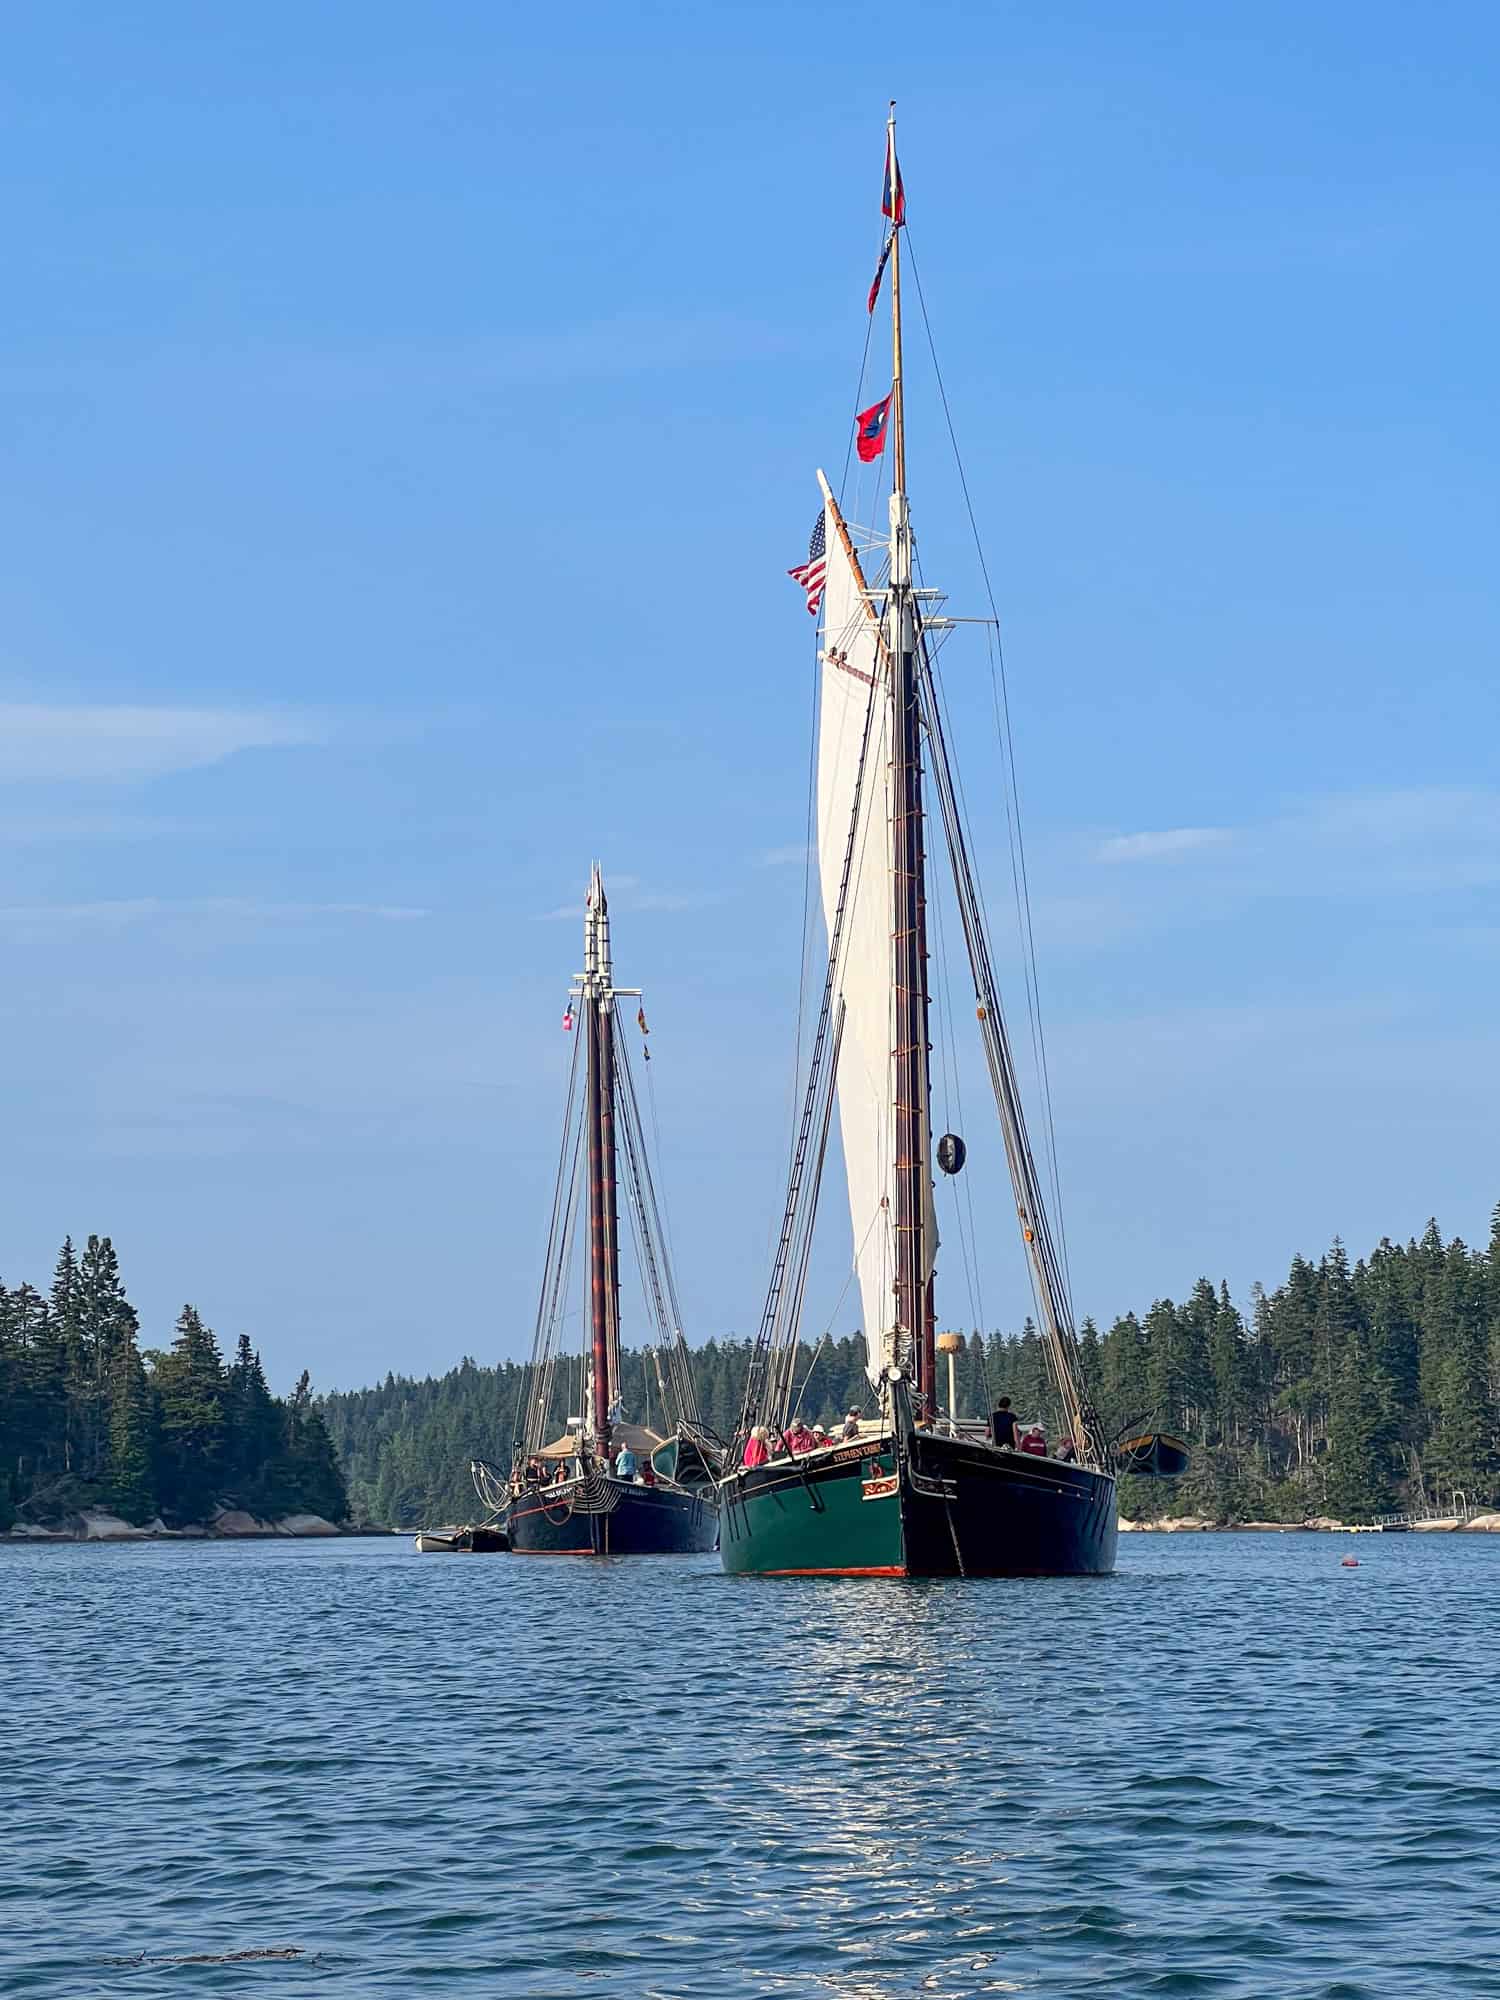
column 1035, row 1442
column 799, row 1438
column 755, row 1446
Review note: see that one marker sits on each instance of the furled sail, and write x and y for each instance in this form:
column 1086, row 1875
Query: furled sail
column 854, row 669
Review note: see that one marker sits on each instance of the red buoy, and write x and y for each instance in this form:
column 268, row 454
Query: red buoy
column 1350, row 1562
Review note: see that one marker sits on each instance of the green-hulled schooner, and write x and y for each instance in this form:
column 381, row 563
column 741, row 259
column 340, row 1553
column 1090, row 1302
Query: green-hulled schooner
column 913, row 1490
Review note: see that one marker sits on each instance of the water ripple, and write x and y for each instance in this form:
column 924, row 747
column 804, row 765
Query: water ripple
column 1232, row 1770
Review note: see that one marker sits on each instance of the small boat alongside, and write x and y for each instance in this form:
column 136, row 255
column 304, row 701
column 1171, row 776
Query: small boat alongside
column 440, row 1541
column 482, row 1540
column 479, row 1538
column 1156, row 1454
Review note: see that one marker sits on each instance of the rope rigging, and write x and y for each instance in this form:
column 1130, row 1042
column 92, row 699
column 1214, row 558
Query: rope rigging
column 1000, row 687
column 537, row 1388
column 652, row 1257
column 777, row 1325
column 1049, row 1279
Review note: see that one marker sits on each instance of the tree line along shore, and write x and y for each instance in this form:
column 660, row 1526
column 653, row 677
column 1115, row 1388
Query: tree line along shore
column 99, row 1436
column 1348, row 1391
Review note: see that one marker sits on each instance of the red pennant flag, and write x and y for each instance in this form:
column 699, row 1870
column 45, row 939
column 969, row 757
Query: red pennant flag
column 869, row 429
column 568, row 1022
column 641, row 1017
column 893, row 194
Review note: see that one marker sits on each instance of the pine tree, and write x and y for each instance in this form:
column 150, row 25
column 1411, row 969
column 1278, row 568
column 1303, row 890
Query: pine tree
column 253, row 1441
column 1360, row 1429
column 1090, row 1362
column 192, row 1392
column 13, row 1414
column 131, row 1442
column 106, row 1325
column 1126, row 1398
column 1228, row 1370
column 1455, row 1363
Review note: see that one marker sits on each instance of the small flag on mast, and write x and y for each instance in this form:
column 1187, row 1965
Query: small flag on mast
column 811, row 573
column 869, row 429
column 885, row 257
column 568, row 1020
column 641, row 1018
column 892, row 194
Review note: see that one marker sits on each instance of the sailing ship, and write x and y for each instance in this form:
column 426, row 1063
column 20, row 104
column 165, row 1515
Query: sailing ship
column 602, row 1485
column 915, row 1490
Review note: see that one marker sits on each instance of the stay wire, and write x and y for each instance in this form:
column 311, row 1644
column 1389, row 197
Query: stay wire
column 952, row 1088
column 1003, row 724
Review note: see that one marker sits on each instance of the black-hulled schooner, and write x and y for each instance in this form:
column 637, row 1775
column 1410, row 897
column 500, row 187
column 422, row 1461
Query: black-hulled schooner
column 583, row 1479
column 913, row 1489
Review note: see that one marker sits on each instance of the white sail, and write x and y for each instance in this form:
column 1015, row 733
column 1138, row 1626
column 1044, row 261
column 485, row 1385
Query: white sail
column 853, row 663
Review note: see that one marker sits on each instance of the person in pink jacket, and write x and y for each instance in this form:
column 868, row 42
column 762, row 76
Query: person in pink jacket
column 755, row 1446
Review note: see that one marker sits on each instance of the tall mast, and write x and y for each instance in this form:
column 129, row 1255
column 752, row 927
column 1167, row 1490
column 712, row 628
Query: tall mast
column 898, row 411
column 913, row 1137
column 597, row 993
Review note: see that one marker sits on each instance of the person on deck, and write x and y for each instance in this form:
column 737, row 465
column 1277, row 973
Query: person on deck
column 625, row 1463
column 1035, row 1442
column 799, row 1438
column 1003, row 1424
column 756, row 1451
column 820, row 1438
column 851, row 1426
column 1067, row 1451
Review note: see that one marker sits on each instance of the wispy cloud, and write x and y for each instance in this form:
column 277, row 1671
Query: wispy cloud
column 40, row 741
column 1342, row 849
column 42, row 829
column 626, row 892
column 1165, row 845
column 145, row 909
column 1418, row 836
column 795, row 855
column 605, row 349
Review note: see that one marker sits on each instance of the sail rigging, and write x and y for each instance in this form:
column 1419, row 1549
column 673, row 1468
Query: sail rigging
column 602, row 1125
column 916, row 1489
column 879, row 727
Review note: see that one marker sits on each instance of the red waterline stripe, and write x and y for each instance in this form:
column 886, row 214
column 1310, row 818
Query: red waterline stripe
column 879, row 1569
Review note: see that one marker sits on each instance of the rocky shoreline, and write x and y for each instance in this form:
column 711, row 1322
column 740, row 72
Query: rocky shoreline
column 1322, row 1524
column 230, row 1524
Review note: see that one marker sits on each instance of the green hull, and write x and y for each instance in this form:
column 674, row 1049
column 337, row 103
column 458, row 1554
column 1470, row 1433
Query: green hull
column 838, row 1514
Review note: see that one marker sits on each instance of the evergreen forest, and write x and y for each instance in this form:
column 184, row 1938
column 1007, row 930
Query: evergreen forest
column 1348, row 1391
column 90, row 1419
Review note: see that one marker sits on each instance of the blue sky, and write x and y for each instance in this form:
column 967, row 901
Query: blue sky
column 408, row 420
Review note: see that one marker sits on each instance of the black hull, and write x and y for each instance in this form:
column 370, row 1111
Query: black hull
column 972, row 1509
column 623, row 1520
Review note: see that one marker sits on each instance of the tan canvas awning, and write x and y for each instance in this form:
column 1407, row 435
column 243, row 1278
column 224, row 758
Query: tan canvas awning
column 640, row 1440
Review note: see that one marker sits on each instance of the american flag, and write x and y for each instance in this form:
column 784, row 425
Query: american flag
column 811, row 573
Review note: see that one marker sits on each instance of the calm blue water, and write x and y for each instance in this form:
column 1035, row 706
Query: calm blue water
column 1232, row 1769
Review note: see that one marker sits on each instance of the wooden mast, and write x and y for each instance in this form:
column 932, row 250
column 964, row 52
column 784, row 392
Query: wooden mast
column 913, row 1138
column 604, row 1238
